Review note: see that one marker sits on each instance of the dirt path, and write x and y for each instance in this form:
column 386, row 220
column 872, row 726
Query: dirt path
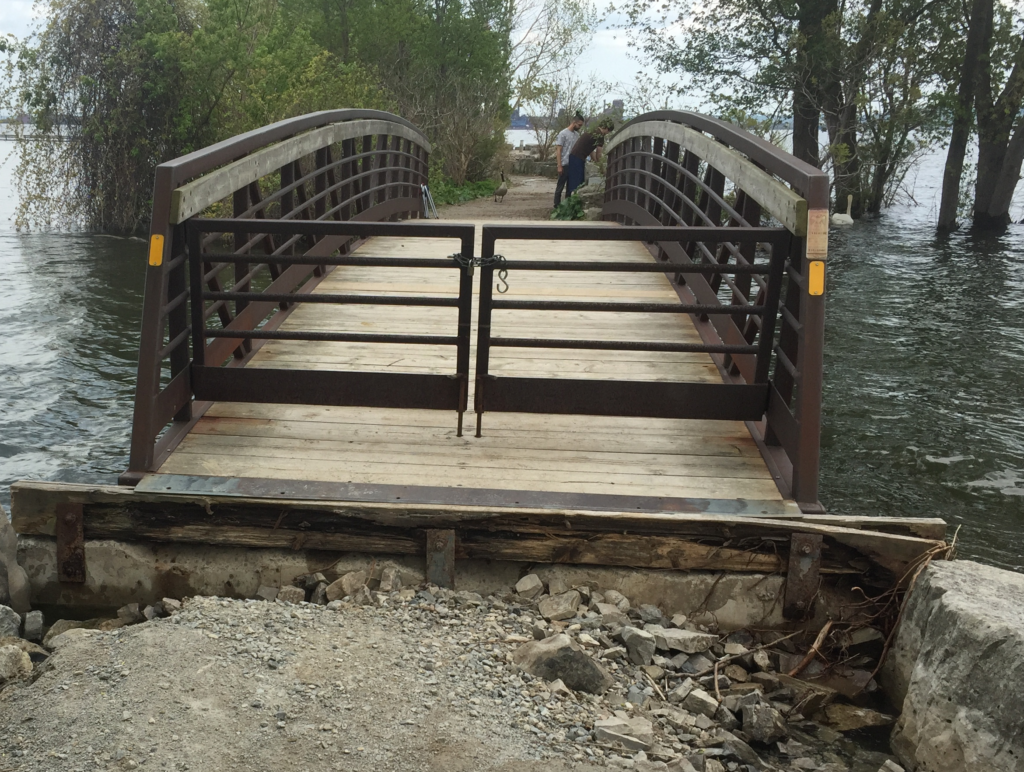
column 229, row 685
column 529, row 198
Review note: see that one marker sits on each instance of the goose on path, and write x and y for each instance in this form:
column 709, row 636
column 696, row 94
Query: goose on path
column 844, row 219
column 499, row 194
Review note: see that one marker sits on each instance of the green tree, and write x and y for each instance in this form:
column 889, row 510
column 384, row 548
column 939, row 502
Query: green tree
column 865, row 68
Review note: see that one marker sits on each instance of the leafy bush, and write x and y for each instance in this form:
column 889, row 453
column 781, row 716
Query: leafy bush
column 445, row 191
column 570, row 209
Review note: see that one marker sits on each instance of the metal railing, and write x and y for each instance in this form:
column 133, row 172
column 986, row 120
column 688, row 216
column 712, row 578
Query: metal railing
column 682, row 169
column 291, row 191
column 638, row 398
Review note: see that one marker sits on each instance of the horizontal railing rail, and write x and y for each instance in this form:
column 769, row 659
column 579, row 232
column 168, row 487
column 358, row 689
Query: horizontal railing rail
column 277, row 197
column 677, row 168
column 211, row 346
column 723, row 401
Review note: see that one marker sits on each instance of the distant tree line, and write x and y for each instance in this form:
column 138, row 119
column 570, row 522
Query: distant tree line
column 888, row 79
column 133, row 83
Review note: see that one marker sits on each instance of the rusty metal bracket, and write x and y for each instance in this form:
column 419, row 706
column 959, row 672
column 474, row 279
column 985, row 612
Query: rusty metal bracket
column 70, row 543
column 802, row 575
column 441, row 558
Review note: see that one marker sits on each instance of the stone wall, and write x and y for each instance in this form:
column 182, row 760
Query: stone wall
column 957, row 669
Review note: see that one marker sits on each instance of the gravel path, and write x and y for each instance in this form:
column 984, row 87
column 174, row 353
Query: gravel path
column 230, row 685
column 411, row 680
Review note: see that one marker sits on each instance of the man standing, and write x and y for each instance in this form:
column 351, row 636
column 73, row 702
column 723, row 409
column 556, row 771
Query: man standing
column 563, row 146
column 588, row 145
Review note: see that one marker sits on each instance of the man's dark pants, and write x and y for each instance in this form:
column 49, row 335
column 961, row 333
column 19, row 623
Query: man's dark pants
column 563, row 180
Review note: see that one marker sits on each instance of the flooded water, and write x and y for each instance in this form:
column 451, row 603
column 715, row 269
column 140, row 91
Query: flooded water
column 924, row 367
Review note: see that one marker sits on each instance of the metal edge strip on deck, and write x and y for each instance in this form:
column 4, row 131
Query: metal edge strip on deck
column 315, row 490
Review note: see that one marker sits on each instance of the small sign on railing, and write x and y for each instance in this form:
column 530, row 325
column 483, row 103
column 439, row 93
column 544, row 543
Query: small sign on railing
column 817, row 234
column 156, row 249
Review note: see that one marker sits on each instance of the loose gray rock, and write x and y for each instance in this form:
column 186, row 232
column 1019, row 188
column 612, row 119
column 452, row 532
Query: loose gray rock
column 635, row 734
column 611, row 617
column 640, row 645
column 680, row 693
column 692, row 663
column 734, row 746
column 530, row 586
column 60, row 627
column 557, row 585
column 267, row 593
column 291, row 594
column 35, row 652
column 762, row 723
column 319, row 595
column 75, row 633
column 17, row 593
column 14, row 664
column 347, row 585
column 130, row 614
column 171, row 606
column 557, row 657
column 726, row 719
column 699, row 701
column 390, row 580
column 10, row 622
column 686, row 641
column 617, row 599
column 650, row 614
column 557, row 607
column 34, row 623
column 18, row 589
column 681, row 765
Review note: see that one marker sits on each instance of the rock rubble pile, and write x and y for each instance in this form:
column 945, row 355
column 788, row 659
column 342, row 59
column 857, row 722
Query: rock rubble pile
column 582, row 674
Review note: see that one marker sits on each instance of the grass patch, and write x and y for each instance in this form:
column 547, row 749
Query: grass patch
column 444, row 192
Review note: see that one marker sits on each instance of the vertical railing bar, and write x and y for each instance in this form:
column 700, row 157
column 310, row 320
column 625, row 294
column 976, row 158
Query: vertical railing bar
column 780, row 249
column 196, row 265
column 483, row 331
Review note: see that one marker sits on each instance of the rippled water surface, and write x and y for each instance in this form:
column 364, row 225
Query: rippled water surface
column 924, row 358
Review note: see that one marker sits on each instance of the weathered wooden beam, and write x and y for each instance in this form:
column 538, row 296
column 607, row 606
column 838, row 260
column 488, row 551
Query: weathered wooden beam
column 193, row 198
column 679, row 541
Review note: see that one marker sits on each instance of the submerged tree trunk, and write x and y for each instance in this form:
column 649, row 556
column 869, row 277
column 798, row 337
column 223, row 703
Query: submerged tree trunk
column 979, row 36
column 996, row 118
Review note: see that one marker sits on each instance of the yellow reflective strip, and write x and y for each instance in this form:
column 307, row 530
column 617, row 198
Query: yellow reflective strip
column 816, row 278
column 156, row 249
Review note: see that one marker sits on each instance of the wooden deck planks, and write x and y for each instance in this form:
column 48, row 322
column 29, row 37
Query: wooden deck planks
column 568, row 454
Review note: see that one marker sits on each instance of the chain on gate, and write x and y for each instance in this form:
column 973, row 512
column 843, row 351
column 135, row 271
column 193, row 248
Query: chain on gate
column 497, row 261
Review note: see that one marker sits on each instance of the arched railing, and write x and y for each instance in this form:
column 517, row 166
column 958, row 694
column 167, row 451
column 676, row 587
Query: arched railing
column 338, row 166
column 682, row 169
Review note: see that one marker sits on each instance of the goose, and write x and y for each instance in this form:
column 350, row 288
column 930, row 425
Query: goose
column 844, row 219
column 499, row 194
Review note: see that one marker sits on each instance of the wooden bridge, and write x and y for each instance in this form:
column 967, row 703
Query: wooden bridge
column 644, row 391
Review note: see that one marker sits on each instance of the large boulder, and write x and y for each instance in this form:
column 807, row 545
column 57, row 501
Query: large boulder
column 557, row 657
column 957, row 666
